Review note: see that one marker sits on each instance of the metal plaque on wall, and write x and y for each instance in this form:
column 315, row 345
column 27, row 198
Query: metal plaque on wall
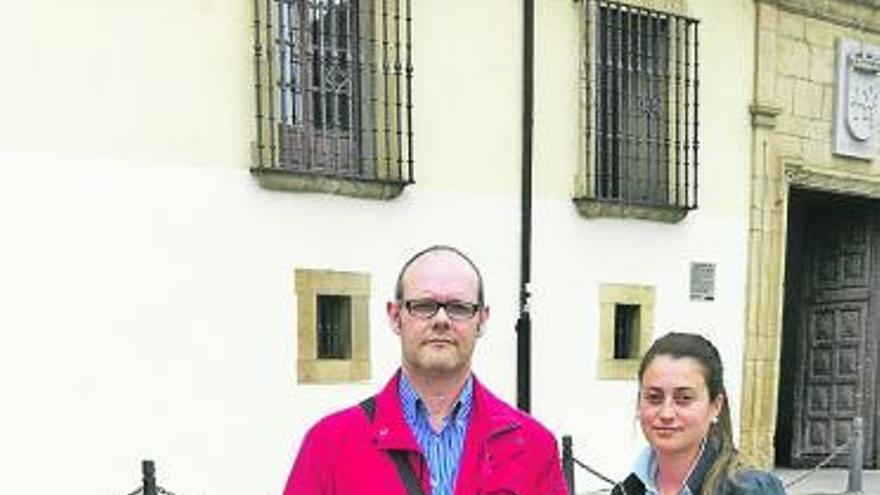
column 702, row 281
column 856, row 98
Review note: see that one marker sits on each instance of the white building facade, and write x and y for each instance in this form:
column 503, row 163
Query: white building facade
column 157, row 276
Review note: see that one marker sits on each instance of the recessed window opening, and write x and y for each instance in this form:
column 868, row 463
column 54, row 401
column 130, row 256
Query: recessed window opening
column 334, row 327
column 626, row 331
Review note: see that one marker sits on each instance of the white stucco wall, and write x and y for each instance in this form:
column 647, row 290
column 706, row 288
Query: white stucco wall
column 146, row 297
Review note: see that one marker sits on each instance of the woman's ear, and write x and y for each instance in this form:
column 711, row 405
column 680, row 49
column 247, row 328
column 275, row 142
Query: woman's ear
column 717, row 407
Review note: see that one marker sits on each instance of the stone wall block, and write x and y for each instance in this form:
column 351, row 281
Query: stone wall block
column 791, row 25
column 828, row 102
column 794, row 58
column 783, row 94
column 790, row 146
column 808, row 99
column 768, row 16
column 820, row 33
column 821, row 64
column 817, row 152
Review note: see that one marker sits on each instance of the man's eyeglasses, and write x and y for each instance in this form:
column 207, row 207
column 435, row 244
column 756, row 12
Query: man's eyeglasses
column 455, row 310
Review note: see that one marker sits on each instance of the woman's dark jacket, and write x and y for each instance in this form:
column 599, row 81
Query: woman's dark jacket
column 743, row 482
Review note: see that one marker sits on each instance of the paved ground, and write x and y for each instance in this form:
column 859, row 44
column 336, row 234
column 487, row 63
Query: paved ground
column 827, row 481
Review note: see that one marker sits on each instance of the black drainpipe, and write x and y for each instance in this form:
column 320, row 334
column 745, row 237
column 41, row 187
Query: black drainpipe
column 524, row 322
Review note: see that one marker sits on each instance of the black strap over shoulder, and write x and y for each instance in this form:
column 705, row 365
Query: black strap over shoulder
column 369, row 407
column 404, row 469
column 632, row 485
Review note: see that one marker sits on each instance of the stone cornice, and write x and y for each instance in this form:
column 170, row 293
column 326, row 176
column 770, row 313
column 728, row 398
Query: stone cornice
column 764, row 115
column 861, row 15
column 798, row 174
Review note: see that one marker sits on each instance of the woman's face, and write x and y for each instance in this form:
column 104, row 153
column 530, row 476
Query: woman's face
column 674, row 406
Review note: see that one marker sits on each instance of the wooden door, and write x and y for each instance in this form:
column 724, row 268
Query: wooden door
column 835, row 348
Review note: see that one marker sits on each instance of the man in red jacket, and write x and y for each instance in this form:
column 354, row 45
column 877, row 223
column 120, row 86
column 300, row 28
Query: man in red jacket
column 434, row 429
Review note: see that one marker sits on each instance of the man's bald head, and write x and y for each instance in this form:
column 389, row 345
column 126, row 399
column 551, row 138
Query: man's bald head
column 398, row 289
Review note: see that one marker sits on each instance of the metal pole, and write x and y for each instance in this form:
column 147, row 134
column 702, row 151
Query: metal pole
column 856, row 457
column 524, row 322
column 568, row 463
column 148, row 468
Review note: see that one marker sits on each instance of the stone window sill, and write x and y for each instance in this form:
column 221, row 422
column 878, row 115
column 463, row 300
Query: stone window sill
column 289, row 180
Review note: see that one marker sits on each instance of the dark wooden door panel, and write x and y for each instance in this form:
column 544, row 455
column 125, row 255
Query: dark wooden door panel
column 836, row 334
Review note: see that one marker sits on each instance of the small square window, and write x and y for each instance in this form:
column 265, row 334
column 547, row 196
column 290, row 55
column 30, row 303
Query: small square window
column 333, row 326
column 626, row 318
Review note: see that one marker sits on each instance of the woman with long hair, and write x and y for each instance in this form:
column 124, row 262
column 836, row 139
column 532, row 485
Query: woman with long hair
column 685, row 417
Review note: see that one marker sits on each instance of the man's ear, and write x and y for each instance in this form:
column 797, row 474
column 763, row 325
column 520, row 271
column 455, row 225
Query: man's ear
column 392, row 309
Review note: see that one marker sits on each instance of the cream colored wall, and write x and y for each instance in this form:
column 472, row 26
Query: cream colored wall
column 174, row 81
column 161, row 80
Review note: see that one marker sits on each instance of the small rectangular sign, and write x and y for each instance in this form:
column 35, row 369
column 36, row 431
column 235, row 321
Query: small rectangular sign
column 702, row 281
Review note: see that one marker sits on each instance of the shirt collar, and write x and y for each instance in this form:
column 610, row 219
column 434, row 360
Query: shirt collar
column 413, row 406
column 645, row 467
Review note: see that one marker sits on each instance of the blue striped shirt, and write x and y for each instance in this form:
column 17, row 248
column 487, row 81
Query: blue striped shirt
column 442, row 450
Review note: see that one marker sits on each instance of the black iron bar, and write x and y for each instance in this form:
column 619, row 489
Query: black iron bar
column 323, row 58
column 642, row 123
column 664, row 109
column 696, row 114
column 372, row 110
column 385, row 79
column 258, row 85
column 568, row 463
column 607, row 144
column 398, row 71
column 649, row 179
column 359, row 127
column 409, row 103
column 630, row 108
column 856, row 457
column 284, row 50
column 333, row 60
column 307, row 60
column 687, row 89
column 352, row 73
column 294, row 61
column 356, row 124
column 677, row 109
column 148, row 472
column 619, row 167
column 270, row 83
column 589, row 152
column 601, row 72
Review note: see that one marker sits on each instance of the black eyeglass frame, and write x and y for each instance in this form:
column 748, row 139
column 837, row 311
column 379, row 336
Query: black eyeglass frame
column 473, row 309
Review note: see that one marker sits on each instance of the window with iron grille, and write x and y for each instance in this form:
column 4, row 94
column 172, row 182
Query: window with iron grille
column 333, row 83
column 334, row 327
column 642, row 109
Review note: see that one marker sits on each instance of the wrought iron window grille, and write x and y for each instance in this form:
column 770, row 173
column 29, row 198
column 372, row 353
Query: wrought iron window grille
column 333, row 83
column 333, row 317
column 641, row 117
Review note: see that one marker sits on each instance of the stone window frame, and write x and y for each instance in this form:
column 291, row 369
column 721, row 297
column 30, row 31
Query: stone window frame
column 611, row 295
column 308, row 284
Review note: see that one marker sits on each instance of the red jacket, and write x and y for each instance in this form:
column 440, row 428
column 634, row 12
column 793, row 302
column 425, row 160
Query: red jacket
column 505, row 451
